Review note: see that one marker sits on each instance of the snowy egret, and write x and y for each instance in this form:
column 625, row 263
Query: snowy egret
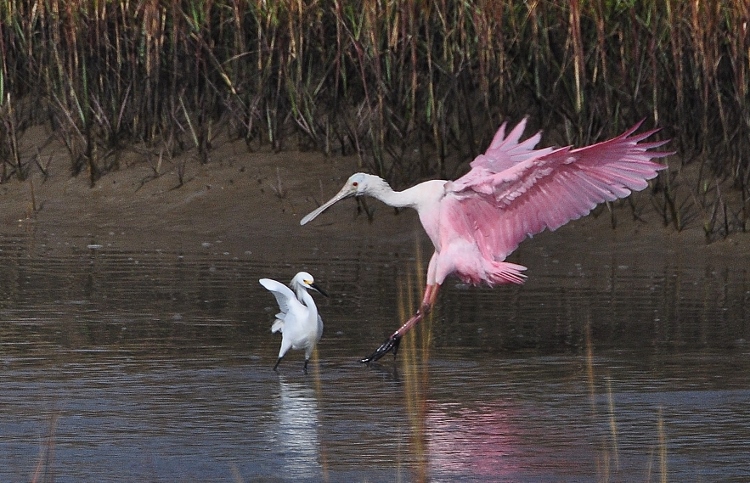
column 298, row 320
column 512, row 191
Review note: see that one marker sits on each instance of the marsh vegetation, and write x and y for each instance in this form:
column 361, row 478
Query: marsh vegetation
column 412, row 89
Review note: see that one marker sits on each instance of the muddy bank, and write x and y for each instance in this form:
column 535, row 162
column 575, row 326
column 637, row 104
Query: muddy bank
column 249, row 204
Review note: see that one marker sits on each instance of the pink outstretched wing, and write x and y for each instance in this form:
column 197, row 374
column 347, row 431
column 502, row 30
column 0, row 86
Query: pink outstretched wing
column 505, row 152
column 546, row 189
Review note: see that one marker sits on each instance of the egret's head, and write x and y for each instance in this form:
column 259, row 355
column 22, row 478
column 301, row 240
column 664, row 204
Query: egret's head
column 304, row 279
column 358, row 184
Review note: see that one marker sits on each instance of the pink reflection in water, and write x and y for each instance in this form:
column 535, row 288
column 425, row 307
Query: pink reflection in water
column 477, row 441
column 487, row 443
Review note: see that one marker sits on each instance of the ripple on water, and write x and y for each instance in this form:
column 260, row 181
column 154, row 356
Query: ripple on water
column 157, row 365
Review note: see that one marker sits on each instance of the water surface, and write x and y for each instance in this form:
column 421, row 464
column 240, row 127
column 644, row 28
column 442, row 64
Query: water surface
column 156, row 366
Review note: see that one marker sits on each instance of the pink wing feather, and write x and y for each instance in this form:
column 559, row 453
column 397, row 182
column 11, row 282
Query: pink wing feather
column 505, row 152
column 514, row 191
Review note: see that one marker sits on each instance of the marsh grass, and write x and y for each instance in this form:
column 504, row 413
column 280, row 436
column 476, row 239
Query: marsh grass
column 412, row 88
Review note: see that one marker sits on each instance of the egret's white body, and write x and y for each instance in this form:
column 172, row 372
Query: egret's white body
column 298, row 321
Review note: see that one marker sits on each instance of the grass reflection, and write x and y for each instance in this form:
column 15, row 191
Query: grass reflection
column 314, row 371
column 415, row 356
column 44, row 470
column 608, row 459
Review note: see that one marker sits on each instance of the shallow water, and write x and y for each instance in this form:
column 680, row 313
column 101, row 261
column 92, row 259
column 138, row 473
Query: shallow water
column 156, row 366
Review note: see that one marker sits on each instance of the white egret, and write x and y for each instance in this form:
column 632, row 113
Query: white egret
column 298, row 320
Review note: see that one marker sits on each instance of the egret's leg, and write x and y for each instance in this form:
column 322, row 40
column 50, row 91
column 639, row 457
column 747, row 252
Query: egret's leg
column 286, row 344
column 391, row 344
column 304, row 368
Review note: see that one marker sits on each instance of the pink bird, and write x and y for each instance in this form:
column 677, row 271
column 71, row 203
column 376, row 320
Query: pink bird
column 512, row 191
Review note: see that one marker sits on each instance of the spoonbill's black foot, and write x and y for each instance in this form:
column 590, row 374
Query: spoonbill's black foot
column 304, row 368
column 391, row 344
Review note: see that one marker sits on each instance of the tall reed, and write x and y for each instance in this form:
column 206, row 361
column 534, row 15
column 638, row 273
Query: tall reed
column 412, row 87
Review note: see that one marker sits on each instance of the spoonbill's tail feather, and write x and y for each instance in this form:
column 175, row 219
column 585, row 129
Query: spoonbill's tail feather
column 504, row 273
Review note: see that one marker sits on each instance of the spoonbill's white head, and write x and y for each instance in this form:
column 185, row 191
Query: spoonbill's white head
column 358, row 184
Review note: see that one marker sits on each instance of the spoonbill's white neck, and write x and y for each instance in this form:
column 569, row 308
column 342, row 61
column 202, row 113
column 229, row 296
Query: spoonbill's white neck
column 413, row 197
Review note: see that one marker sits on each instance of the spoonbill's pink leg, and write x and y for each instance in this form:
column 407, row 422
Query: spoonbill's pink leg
column 392, row 342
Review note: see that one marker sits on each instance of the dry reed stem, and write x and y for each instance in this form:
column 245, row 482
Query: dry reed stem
column 414, row 88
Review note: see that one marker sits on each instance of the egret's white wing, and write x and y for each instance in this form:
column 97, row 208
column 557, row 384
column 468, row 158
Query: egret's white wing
column 284, row 295
column 278, row 324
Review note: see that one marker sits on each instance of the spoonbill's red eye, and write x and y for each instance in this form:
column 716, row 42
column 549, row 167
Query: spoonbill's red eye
column 355, row 184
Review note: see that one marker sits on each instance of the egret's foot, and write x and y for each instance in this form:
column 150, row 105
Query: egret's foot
column 391, row 344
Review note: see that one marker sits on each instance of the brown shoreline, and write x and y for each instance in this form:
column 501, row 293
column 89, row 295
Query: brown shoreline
column 234, row 200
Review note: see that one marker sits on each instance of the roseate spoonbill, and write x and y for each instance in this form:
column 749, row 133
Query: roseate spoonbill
column 299, row 322
column 512, row 191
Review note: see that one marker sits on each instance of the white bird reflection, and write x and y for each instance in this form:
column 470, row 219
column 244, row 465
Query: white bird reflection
column 297, row 441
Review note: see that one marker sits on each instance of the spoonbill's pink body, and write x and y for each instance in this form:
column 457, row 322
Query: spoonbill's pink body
column 512, row 191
